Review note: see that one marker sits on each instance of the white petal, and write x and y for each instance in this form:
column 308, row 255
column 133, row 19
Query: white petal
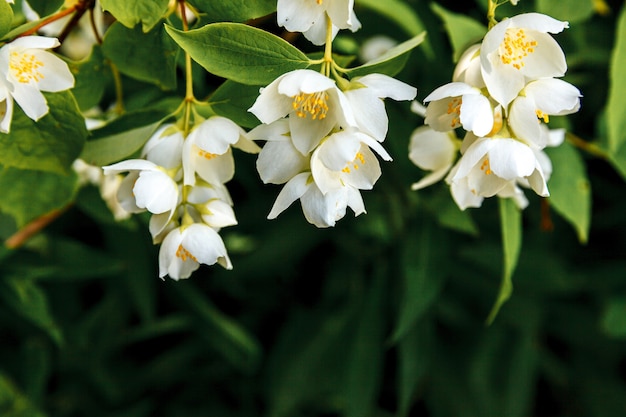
column 477, row 114
column 553, row 96
column 130, row 165
column 56, row 74
column 297, row 15
column 524, row 123
column 270, row 105
column 510, row 159
column 369, row 112
column 204, row 243
column 304, row 81
column 156, row 192
column 385, row 86
column 455, row 89
column 431, row 150
column 215, row 135
column 293, row 190
column 30, row 100
column 222, row 214
column 291, row 162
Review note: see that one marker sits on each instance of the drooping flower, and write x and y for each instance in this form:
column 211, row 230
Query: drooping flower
column 432, row 151
column 309, row 17
column 27, row 69
column 345, row 159
column 321, row 210
column 313, row 103
column 185, row 248
column 539, row 100
column 489, row 164
column 365, row 96
column 458, row 104
column 147, row 187
column 468, row 69
column 207, row 150
column 519, row 50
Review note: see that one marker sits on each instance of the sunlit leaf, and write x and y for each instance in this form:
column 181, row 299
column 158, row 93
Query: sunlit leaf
column 239, row 52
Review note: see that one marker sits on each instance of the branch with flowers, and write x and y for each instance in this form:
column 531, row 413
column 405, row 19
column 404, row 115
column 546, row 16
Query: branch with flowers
column 363, row 172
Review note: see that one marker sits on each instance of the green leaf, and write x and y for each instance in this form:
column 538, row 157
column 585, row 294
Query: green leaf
column 422, row 278
column 129, row 13
column 30, row 194
column 511, row 224
column 414, row 358
column 45, row 7
column 463, row 31
column 615, row 109
column 570, row 190
column 122, row 137
column 233, row 341
column 149, row 57
column 50, row 144
column 239, row 52
column 618, row 159
column 234, row 10
column 6, row 18
column 233, row 100
column 30, row 302
column 365, row 363
column 91, row 76
column 13, row 402
column 397, row 11
column 614, row 318
column 570, row 10
column 391, row 62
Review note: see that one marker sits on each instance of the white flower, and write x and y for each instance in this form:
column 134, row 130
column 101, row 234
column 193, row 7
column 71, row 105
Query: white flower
column 207, row 150
column 313, row 102
column 459, row 104
column 322, row 210
column 539, row 100
column 309, row 17
column 489, row 164
column 519, row 50
column 185, row 248
column 279, row 147
column 147, row 187
column 165, row 147
column 212, row 206
column 468, row 68
column 375, row 46
column 365, row 95
column 345, row 159
column 466, row 197
column 26, row 70
column 432, row 151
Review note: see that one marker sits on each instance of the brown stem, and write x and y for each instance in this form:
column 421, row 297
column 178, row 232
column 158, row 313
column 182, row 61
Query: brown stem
column 21, row 236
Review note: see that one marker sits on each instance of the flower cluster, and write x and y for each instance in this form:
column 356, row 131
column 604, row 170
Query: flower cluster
column 27, row 69
column 503, row 92
column 323, row 133
column 321, row 140
column 180, row 181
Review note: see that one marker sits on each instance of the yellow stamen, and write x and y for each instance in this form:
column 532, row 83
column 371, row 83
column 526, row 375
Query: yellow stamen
column 515, row 47
column 25, row 67
column 359, row 158
column 184, row 254
column 454, row 107
column 206, row 155
column 313, row 104
column 486, row 167
column 543, row 116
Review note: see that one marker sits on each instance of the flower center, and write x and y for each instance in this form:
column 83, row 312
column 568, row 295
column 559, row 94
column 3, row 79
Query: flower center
column 319, row 1
column 541, row 115
column 311, row 103
column 454, row 108
column 515, row 47
column 205, row 154
column 486, row 167
column 184, row 254
column 25, row 67
column 355, row 163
